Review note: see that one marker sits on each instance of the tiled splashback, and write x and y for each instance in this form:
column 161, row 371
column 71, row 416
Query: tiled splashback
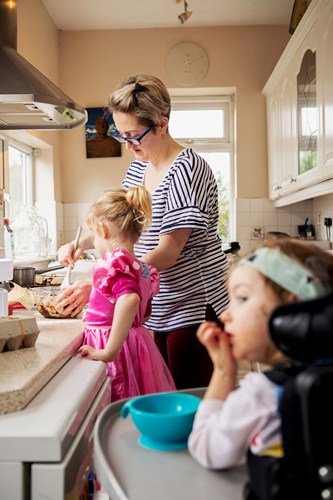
column 322, row 207
column 63, row 220
column 257, row 216
column 254, row 218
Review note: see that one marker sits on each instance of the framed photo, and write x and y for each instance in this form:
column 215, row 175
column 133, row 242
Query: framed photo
column 298, row 12
column 99, row 128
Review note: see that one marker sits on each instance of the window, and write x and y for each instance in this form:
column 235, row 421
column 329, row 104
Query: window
column 18, row 175
column 205, row 123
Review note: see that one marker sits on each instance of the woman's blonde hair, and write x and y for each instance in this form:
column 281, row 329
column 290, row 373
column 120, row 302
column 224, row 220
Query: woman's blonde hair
column 143, row 96
column 129, row 211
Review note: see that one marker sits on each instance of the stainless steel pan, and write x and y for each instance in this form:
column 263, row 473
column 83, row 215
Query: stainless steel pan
column 25, row 276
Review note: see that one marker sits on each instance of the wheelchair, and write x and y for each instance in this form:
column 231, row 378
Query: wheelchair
column 304, row 332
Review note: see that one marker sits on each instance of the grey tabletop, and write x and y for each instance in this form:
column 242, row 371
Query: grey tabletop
column 129, row 471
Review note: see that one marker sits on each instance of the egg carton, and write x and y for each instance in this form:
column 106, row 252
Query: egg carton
column 17, row 332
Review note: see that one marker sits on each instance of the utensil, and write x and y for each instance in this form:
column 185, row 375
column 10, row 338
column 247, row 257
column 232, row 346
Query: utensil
column 67, row 278
column 25, row 276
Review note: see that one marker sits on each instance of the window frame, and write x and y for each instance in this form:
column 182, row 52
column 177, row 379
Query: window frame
column 29, row 192
column 223, row 101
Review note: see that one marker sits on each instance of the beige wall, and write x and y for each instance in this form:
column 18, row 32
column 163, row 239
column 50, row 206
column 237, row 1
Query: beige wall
column 89, row 65
column 93, row 63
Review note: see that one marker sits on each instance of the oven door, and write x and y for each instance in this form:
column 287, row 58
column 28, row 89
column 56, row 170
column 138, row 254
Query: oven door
column 73, row 477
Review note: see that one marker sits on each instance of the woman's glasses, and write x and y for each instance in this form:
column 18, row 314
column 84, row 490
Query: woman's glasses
column 135, row 141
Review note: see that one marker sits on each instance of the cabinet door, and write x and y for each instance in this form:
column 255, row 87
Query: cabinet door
column 274, row 145
column 327, row 91
column 302, row 98
column 288, row 106
column 282, row 138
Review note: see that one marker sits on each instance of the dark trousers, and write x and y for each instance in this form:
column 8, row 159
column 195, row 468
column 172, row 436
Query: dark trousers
column 188, row 360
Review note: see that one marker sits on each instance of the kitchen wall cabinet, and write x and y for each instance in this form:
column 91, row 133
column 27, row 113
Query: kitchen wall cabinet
column 327, row 89
column 286, row 183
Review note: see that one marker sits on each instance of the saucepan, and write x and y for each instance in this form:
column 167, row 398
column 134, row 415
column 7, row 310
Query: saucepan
column 25, row 276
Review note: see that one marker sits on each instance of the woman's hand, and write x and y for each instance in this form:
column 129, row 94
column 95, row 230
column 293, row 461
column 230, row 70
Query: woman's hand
column 73, row 298
column 91, row 353
column 67, row 256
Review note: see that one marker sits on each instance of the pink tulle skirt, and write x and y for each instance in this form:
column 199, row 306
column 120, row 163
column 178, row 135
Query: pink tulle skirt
column 139, row 367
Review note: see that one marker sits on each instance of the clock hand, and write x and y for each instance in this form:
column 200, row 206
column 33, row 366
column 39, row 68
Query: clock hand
column 186, row 63
column 190, row 61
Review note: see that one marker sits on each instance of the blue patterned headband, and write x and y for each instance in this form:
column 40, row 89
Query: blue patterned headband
column 286, row 272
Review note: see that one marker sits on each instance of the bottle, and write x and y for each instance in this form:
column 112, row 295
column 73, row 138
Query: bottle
column 9, row 240
column 3, row 302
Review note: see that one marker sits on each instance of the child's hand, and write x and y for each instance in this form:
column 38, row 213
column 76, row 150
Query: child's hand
column 216, row 341
column 211, row 335
column 91, row 353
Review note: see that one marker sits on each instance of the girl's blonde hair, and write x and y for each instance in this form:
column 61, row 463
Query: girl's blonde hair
column 143, row 96
column 129, row 211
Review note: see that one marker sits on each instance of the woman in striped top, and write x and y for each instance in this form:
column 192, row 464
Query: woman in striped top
column 182, row 242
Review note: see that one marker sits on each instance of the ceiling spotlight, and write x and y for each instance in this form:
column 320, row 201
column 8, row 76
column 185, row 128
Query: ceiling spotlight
column 184, row 16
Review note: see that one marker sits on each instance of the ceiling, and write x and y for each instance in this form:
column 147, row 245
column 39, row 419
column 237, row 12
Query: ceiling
column 136, row 14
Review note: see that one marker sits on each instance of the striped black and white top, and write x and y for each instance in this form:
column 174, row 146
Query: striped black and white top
column 186, row 198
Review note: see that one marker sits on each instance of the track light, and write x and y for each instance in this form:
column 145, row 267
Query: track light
column 184, row 16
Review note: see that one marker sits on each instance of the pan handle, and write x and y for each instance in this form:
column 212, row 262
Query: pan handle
column 49, row 269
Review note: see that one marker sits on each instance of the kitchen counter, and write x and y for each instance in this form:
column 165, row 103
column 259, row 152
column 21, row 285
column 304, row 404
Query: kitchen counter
column 24, row 372
column 46, row 450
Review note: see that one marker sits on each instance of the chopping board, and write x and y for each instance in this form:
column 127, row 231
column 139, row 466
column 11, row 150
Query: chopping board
column 23, row 373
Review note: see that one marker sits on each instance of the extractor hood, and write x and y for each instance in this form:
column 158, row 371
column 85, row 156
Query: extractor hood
column 29, row 100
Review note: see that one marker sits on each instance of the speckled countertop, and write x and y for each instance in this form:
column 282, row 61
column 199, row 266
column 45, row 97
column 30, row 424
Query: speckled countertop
column 24, row 372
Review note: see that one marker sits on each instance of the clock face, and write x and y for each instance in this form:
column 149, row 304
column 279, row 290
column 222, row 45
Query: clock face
column 187, row 63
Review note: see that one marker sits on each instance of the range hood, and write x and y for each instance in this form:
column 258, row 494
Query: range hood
column 29, row 100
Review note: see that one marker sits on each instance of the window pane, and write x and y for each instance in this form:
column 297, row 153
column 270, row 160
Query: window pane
column 309, row 122
column 220, row 164
column 197, row 123
column 307, row 113
column 18, row 164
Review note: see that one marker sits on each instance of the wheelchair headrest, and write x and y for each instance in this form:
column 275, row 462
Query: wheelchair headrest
column 304, row 330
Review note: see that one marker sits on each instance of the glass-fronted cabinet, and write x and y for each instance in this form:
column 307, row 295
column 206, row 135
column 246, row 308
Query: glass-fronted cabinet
column 299, row 97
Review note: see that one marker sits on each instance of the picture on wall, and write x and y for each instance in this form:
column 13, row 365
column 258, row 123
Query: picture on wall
column 99, row 127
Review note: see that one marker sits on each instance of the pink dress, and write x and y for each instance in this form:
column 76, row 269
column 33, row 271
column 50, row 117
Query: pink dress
column 139, row 367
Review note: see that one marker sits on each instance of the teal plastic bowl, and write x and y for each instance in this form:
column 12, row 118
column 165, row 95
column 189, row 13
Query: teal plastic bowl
column 164, row 420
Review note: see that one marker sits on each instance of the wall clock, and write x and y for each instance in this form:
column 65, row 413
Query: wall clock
column 187, row 63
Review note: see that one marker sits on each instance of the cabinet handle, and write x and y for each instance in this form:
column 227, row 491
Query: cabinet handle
column 293, row 179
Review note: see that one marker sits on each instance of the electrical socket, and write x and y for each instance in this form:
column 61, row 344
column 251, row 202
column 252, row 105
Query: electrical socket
column 327, row 221
column 319, row 219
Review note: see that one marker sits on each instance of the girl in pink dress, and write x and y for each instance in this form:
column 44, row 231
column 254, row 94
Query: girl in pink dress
column 120, row 300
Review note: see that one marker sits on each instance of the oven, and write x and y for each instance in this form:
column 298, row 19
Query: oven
column 46, row 449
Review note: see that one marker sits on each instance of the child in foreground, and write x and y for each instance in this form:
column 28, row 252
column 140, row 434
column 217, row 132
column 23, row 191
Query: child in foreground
column 120, row 300
column 230, row 422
